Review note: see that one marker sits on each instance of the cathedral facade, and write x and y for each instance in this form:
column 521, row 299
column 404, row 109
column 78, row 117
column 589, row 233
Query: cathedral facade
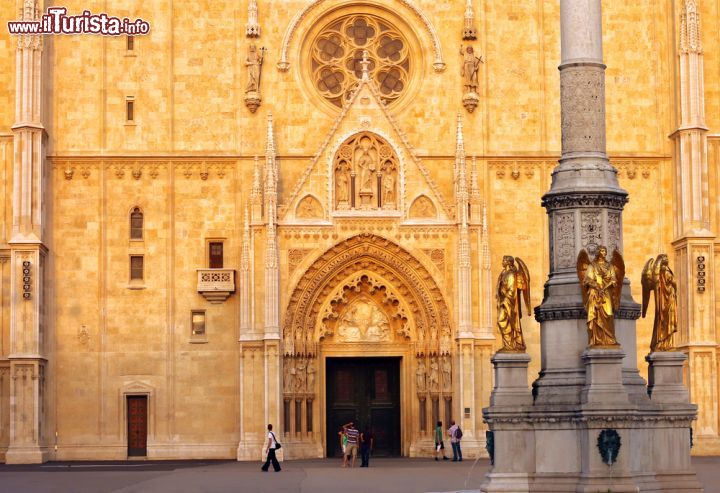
column 296, row 212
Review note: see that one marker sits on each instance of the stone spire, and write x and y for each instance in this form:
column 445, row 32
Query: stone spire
column 469, row 31
column 272, row 269
column 486, row 280
column 460, row 176
column 252, row 28
column 256, row 197
column 464, row 288
column 475, row 197
column 690, row 36
column 245, row 278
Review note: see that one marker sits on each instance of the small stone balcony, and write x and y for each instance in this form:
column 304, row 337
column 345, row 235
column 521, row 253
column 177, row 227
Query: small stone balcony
column 216, row 285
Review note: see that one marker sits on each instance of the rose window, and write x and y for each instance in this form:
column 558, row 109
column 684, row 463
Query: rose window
column 337, row 53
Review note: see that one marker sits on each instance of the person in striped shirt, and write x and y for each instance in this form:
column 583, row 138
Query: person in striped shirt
column 353, row 437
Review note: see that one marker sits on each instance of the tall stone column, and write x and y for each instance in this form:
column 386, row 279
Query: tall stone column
column 591, row 426
column 584, row 206
column 694, row 240
column 28, row 255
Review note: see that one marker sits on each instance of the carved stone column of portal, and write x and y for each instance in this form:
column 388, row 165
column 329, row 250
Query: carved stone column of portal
column 584, row 206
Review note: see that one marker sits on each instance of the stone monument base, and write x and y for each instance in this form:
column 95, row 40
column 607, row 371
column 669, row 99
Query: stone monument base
column 607, row 442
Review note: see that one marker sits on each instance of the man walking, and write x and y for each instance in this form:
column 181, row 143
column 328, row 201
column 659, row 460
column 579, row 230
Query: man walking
column 353, row 437
column 272, row 446
column 455, row 434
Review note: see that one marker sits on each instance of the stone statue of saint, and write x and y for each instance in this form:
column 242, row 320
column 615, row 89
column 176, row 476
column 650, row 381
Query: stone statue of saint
column 434, row 375
column 470, row 68
column 342, row 186
column 254, row 65
column 388, row 183
column 420, row 375
column 311, row 375
column 601, row 285
column 447, row 374
column 513, row 286
column 300, row 376
column 658, row 277
column 366, row 165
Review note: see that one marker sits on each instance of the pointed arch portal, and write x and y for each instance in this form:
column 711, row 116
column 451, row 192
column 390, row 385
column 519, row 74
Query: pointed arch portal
column 365, row 303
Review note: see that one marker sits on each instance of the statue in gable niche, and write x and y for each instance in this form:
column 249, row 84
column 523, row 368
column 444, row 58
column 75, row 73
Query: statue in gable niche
column 366, row 164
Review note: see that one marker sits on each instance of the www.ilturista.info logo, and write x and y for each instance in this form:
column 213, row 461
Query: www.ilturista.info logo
column 56, row 21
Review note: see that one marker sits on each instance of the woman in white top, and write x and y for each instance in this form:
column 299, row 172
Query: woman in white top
column 272, row 446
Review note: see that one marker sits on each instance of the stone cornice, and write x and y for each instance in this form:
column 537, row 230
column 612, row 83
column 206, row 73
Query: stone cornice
column 543, row 314
column 612, row 200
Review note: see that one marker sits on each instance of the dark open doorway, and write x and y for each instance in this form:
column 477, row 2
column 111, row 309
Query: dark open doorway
column 365, row 391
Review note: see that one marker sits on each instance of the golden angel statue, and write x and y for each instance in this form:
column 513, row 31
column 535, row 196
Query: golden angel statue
column 512, row 285
column 657, row 276
column 601, row 285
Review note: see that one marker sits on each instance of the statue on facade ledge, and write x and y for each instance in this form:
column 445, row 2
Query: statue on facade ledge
column 513, row 286
column 254, row 67
column 469, row 72
column 658, row 277
column 601, row 285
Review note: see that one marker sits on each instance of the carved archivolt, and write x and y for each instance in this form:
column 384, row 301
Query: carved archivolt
column 366, row 174
column 364, row 308
column 392, row 279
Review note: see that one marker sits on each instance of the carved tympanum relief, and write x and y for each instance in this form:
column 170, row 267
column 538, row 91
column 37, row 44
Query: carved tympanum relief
column 364, row 308
column 423, row 208
column 366, row 174
column 337, row 53
column 363, row 321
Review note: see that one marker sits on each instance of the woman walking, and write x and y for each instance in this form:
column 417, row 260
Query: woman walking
column 439, row 445
column 343, row 445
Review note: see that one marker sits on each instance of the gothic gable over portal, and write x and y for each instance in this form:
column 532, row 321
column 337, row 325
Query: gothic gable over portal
column 365, row 166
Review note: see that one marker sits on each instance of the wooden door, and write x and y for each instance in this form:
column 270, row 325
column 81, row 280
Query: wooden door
column 137, row 411
column 365, row 391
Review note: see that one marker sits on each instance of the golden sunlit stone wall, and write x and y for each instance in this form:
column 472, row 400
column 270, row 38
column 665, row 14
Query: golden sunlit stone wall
column 187, row 161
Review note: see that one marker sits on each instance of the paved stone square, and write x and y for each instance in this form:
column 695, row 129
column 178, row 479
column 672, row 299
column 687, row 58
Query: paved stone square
column 306, row 476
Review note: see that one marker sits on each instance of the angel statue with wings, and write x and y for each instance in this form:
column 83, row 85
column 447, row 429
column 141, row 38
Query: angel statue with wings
column 513, row 284
column 601, row 285
column 657, row 276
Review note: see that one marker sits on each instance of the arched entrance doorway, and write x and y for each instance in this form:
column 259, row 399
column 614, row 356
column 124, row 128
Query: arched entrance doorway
column 367, row 297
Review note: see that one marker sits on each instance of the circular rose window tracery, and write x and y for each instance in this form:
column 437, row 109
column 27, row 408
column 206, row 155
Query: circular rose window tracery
column 337, row 53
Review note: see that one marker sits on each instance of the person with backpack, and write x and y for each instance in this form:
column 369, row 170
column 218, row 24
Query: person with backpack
column 455, row 434
column 272, row 445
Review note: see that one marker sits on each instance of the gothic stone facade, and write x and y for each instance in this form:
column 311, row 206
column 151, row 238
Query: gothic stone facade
column 202, row 225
